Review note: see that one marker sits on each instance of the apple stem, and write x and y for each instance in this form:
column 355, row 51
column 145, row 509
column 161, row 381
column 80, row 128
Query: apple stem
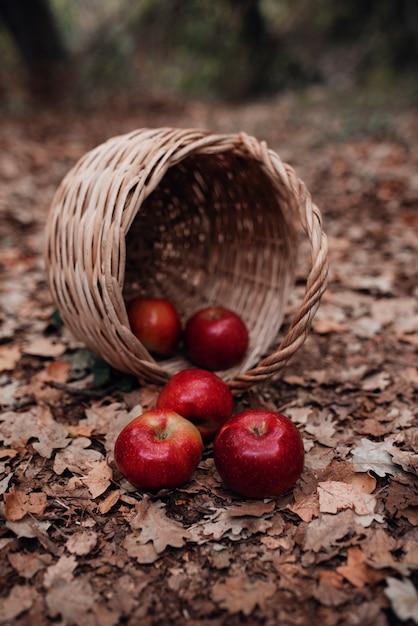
column 161, row 435
column 259, row 429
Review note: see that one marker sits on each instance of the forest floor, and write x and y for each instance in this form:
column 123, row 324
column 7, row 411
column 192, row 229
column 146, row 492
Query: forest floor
column 77, row 544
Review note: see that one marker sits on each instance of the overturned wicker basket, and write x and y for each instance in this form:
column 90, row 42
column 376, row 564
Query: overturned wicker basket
column 197, row 217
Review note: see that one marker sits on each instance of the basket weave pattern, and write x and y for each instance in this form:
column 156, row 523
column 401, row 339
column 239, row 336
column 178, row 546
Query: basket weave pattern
column 197, row 217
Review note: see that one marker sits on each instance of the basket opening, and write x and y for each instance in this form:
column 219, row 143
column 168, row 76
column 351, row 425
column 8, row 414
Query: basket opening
column 214, row 232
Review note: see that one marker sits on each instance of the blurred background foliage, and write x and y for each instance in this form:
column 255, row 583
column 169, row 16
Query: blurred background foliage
column 84, row 50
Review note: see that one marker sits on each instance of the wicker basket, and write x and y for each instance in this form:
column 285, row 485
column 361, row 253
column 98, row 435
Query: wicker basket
column 197, row 217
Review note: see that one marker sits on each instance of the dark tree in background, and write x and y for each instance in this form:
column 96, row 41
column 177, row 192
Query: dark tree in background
column 33, row 29
column 234, row 49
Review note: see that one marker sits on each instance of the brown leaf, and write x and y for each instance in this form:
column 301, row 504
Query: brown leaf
column 18, row 503
column 19, row 600
column 77, row 457
column 109, row 502
column 143, row 553
column 306, row 507
column 336, row 495
column 154, row 525
column 239, row 594
column 46, row 347
column 99, row 478
column 403, row 597
column 62, row 570
column 82, row 542
column 28, row 564
column 324, row 326
column 356, row 571
column 74, row 601
column 9, row 357
column 327, row 529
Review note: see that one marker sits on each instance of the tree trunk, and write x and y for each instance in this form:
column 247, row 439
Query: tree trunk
column 34, row 31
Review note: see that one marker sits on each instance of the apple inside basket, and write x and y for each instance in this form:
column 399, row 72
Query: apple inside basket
column 198, row 218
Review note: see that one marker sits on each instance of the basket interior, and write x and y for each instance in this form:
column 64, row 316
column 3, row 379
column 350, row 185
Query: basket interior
column 216, row 229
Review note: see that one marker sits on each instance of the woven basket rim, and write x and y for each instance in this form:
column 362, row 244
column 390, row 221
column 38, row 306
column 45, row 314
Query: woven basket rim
column 178, row 145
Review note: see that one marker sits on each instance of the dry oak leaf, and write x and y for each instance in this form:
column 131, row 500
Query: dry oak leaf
column 50, row 438
column 9, row 357
column 234, row 522
column 154, row 525
column 322, row 427
column 109, row 502
column 145, row 554
column 100, row 416
column 82, row 543
column 375, row 457
column 18, row 503
column 77, row 457
column 63, row 570
column 74, row 601
column 240, row 594
column 28, row 564
column 19, row 600
column 98, row 479
column 46, row 347
column 324, row 326
column 306, row 507
column 119, row 420
column 336, row 495
column 17, row 428
column 357, row 571
column 28, row 527
column 327, row 529
column 403, row 597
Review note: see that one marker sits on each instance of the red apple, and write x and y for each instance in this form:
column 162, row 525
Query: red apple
column 199, row 396
column 160, row 449
column 215, row 338
column 259, row 454
column 156, row 323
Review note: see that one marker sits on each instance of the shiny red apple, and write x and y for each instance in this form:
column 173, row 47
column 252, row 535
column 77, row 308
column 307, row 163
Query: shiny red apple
column 199, row 396
column 156, row 323
column 215, row 338
column 160, row 449
column 259, row 454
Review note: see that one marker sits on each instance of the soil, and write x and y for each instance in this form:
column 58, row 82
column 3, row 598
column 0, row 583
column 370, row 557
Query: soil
column 78, row 544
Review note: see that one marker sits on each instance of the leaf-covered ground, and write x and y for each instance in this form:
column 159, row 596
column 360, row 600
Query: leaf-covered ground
column 78, row 545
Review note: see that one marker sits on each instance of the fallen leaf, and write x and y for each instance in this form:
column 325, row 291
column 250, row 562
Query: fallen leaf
column 82, row 542
column 73, row 601
column 109, row 502
column 154, row 525
column 50, row 434
column 403, row 597
column 19, row 504
column 143, row 553
column 327, row 529
column 336, row 495
column 357, row 571
column 376, row 382
column 306, row 507
column 98, row 478
column 28, row 527
column 19, row 600
column 322, row 427
column 324, row 326
column 375, row 457
column 239, row 594
column 9, row 357
column 62, row 570
column 45, row 347
column 77, row 457
column 221, row 524
column 28, row 564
